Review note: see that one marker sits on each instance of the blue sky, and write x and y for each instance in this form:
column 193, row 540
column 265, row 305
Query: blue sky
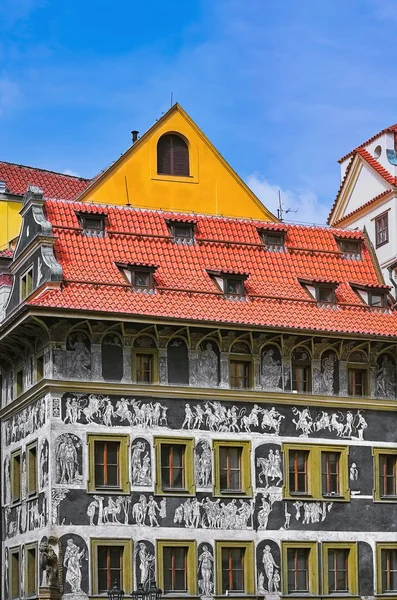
column 283, row 89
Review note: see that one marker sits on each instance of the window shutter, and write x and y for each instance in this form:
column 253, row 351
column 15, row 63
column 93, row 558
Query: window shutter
column 172, row 156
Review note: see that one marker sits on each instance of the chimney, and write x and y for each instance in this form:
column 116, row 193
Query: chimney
column 134, row 134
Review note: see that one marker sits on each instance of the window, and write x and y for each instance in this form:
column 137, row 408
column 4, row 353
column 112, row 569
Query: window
column 172, row 156
column 351, row 248
column 174, row 466
column 176, row 566
column 301, row 371
column 31, row 570
column 92, row 224
column 234, row 567
column 357, row 382
column 19, row 382
column 232, row 468
column 32, row 486
column 234, row 287
column 15, row 575
column 386, row 560
column 382, row 229
column 325, row 293
column 340, row 568
column 240, row 373
column 377, row 299
column 273, row 240
column 111, row 561
column 316, row 472
column 108, row 462
column 40, row 367
column 385, row 474
column 145, row 366
column 182, row 232
column 26, row 284
column 142, row 279
column 16, row 476
column 299, row 561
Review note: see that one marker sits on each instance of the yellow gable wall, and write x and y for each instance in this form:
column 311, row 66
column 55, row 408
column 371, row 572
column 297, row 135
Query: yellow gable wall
column 212, row 187
column 10, row 221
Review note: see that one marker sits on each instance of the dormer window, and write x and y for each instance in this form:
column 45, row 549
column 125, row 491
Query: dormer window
column 373, row 297
column 230, row 284
column 273, row 240
column 92, row 224
column 183, row 233
column 140, row 277
column 377, row 300
column 324, row 293
column 351, row 248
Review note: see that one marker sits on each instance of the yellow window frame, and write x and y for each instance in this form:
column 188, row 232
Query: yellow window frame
column 313, row 567
column 14, row 578
column 314, row 468
column 127, row 567
column 191, row 563
column 155, row 370
column 16, row 481
column 32, row 477
column 352, row 566
column 380, row 546
column 376, row 453
column 124, row 441
column 249, row 570
column 31, row 574
column 246, row 479
column 188, row 443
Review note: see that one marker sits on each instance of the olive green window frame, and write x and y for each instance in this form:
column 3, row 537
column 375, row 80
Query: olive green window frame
column 127, row 570
column 376, row 453
column 191, row 546
column 190, row 488
column 16, row 484
column 249, row 566
column 31, row 579
column 313, row 567
column 243, row 358
column 26, row 284
column 31, row 493
column 124, row 441
column 246, row 478
column 155, row 372
column 14, row 579
column 378, row 553
column 314, row 472
column 352, row 567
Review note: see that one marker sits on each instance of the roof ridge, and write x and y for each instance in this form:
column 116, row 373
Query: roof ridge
column 5, row 162
column 371, row 139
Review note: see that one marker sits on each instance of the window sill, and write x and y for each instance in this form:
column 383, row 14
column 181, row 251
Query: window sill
column 306, row 497
column 118, row 491
column 175, row 178
column 181, row 493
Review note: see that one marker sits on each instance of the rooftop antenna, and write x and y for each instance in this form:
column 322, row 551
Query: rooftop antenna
column 281, row 211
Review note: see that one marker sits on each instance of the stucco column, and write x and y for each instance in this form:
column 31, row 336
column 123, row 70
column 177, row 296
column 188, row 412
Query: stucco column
column 343, row 378
column 127, row 366
column 96, row 362
column 224, row 374
column 256, row 364
column 316, row 376
column 193, row 367
column 163, row 366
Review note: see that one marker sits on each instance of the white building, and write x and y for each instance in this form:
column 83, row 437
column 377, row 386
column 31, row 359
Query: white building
column 367, row 195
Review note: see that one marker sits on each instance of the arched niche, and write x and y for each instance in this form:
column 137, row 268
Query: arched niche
column 271, row 368
column 112, row 357
column 329, row 372
column 178, row 362
column 208, row 364
column 78, row 347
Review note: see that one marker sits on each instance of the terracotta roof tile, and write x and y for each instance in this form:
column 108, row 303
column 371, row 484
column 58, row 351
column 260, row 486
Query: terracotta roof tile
column 54, row 185
column 275, row 298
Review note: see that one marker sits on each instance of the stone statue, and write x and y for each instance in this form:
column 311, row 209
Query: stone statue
column 271, row 371
column 49, row 564
column 386, row 378
column 208, row 367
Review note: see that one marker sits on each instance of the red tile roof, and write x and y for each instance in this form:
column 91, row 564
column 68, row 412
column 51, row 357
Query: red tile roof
column 54, row 185
column 184, row 290
column 391, row 129
column 7, row 253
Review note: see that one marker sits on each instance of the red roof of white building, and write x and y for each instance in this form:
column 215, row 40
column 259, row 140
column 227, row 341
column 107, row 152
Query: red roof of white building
column 184, row 290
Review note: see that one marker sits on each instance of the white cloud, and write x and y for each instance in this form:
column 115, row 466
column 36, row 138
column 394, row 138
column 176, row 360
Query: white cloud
column 9, row 94
column 70, row 172
column 309, row 208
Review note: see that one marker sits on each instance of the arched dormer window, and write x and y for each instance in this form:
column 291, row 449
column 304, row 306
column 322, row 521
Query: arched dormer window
column 172, row 156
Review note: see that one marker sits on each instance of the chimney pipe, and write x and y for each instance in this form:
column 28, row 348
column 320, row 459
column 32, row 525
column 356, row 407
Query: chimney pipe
column 134, row 134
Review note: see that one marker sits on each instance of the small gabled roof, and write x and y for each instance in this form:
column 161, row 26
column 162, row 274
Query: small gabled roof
column 391, row 129
column 54, row 185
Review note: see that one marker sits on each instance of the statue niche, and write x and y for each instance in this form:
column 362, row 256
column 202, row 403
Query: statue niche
column 112, row 357
column 78, row 346
column 386, row 376
column 208, row 366
column 271, row 368
column 329, row 373
column 178, row 362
